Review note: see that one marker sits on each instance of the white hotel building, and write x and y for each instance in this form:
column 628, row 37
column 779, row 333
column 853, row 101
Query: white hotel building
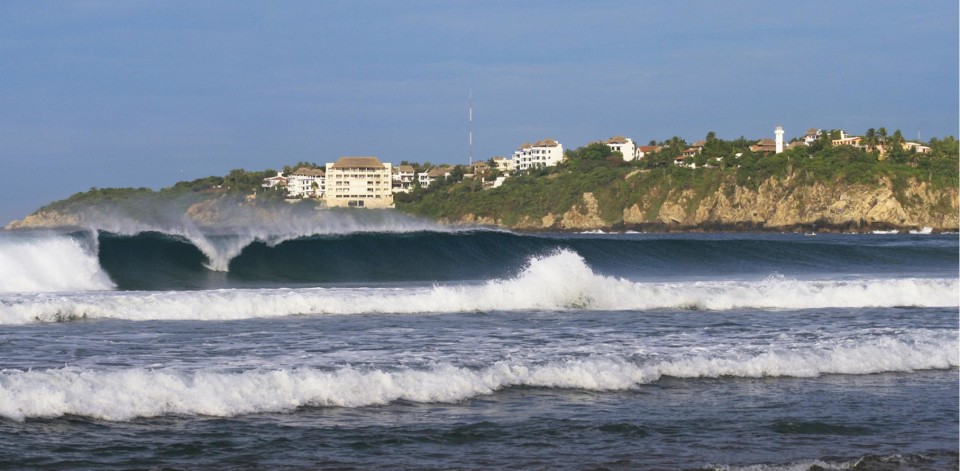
column 359, row 182
column 545, row 153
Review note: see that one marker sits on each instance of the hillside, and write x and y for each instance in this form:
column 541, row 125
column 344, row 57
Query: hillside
column 803, row 189
column 844, row 189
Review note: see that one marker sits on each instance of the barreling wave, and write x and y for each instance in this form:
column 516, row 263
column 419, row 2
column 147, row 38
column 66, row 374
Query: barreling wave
column 155, row 261
column 49, row 263
column 138, row 392
column 160, row 261
column 222, row 242
column 560, row 281
column 347, row 251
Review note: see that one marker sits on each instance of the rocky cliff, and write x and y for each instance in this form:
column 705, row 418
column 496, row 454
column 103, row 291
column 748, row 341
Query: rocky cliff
column 46, row 219
column 778, row 205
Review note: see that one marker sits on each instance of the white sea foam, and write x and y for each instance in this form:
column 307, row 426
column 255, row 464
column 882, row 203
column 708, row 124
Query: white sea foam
column 561, row 281
column 125, row 394
column 43, row 263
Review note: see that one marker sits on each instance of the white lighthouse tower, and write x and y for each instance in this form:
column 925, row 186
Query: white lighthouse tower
column 779, row 133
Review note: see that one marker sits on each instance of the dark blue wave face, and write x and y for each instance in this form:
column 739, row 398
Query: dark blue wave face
column 157, row 261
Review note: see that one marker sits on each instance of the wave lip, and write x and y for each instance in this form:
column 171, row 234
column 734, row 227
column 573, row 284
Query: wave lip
column 137, row 392
column 238, row 226
column 560, row 281
column 49, row 263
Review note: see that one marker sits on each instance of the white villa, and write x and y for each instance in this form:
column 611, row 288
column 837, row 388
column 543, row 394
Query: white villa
column 273, row 182
column 625, row 146
column 306, row 183
column 545, row 153
column 359, row 182
column 426, row 178
column 402, row 177
column 916, row 147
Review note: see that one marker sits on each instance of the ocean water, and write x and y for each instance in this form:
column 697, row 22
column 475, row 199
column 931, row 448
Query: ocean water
column 411, row 347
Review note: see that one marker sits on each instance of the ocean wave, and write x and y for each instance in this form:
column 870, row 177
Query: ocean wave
column 222, row 242
column 49, row 263
column 129, row 393
column 560, row 281
column 936, row 459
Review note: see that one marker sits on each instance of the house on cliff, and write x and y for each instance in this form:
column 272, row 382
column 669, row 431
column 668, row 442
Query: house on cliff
column 274, row 182
column 402, row 178
column 623, row 145
column 764, row 146
column 546, row 153
column 642, row 151
column 306, row 183
column 434, row 174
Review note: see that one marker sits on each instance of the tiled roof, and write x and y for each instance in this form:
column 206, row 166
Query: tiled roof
column 438, row 172
column 547, row 143
column 358, row 162
column 309, row 172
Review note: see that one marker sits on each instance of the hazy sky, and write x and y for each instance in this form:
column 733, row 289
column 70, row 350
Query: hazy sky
column 131, row 93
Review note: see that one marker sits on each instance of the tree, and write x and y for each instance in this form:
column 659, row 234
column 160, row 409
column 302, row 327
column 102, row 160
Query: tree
column 870, row 137
column 897, row 140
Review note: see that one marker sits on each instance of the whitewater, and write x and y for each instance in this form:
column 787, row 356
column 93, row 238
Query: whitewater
column 385, row 342
column 137, row 392
column 561, row 281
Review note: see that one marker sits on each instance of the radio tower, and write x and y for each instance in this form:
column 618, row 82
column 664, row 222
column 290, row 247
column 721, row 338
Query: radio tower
column 470, row 126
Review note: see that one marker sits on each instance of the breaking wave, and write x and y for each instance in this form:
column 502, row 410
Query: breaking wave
column 138, row 392
column 49, row 263
column 222, row 243
column 559, row 281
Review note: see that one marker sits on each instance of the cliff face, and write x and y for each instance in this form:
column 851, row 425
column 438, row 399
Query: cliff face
column 45, row 219
column 211, row 211
column 782, row 205
column 785, row 205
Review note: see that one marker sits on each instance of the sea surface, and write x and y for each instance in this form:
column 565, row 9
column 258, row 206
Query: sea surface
column 432, row 348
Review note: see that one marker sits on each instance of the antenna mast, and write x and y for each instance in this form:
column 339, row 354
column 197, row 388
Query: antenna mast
column 470, row 126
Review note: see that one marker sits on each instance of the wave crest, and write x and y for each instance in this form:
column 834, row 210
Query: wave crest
column 138, row 392
column 560, row 281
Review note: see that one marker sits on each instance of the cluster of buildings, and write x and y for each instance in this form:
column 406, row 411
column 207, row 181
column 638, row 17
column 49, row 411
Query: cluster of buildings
column 350, row 182
column 366, row 182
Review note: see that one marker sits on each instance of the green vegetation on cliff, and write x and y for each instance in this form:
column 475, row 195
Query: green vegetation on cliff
column 649, row 183
column 723, row 184
column 237, row 183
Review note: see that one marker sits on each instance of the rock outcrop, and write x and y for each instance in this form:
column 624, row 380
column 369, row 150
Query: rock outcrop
column 779, row 205
column 46, row 219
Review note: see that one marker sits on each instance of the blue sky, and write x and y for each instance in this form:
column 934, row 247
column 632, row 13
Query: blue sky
column 136, row 93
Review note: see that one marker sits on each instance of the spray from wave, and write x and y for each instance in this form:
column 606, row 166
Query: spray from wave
column 43, row 263
column 137, row 392
column 560, row 281
column 222, row 228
